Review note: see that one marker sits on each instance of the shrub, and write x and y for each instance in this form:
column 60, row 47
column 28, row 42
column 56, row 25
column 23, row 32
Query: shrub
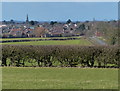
column 64, row 56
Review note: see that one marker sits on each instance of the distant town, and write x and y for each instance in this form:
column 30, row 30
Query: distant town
column 29, row 29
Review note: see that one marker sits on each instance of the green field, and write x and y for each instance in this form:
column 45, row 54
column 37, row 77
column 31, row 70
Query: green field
column 53, row 42
column 5, row 39
column 59, row 78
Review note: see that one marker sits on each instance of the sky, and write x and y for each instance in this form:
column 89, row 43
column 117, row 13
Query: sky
column 60, row 0
column 60, row 11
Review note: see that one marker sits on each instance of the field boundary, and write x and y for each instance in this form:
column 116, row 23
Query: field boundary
column 26, row 40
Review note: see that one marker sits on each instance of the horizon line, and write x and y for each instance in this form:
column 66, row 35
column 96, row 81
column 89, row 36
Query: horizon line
column 59, row 20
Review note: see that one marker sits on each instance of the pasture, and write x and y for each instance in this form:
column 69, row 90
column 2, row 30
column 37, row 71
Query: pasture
column 5, row 39
column 52, row 42
column 59, row 78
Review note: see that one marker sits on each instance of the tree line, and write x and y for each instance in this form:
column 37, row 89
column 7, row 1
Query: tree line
column 60, row 56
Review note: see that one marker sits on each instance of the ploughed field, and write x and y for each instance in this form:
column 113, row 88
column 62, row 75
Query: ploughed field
column 59, row 78
column 46, row 41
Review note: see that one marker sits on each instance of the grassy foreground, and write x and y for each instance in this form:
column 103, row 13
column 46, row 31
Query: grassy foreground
column 59, row 78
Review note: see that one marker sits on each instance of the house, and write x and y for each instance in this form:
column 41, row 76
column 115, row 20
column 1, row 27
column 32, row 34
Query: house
column 57, row 34
column 29, row 32
column 98, row 34
column 3, row 26
column 40, row 32
column 15, row 33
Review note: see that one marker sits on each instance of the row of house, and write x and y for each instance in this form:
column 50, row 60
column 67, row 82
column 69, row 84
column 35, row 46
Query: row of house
column 45, row 29
column 42, row 30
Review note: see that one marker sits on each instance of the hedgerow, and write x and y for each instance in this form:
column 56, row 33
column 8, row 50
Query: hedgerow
column 60, row 56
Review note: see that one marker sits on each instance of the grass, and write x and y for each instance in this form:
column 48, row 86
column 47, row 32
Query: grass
column 5, row 39
column 53, row 42
column 59, row 78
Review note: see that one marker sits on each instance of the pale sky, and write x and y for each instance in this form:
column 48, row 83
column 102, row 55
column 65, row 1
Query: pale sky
column 60, row 11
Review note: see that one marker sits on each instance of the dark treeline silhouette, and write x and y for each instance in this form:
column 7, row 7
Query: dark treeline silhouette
column 60, row 56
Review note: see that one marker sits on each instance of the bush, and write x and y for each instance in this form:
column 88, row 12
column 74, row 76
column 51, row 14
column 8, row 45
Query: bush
column 60, row 56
